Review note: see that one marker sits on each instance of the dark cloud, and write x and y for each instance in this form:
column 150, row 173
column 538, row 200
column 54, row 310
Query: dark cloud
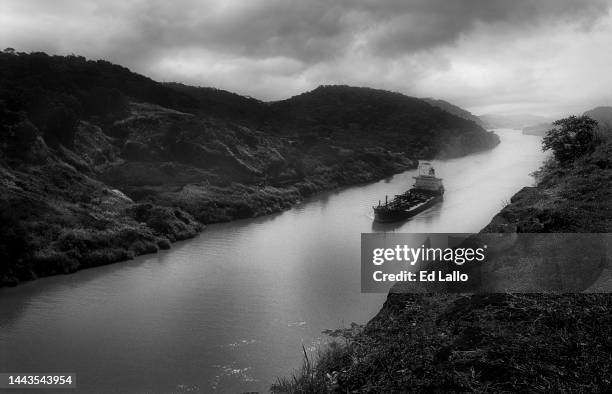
column 310, row 31
column 400, row 27
column 313, row 41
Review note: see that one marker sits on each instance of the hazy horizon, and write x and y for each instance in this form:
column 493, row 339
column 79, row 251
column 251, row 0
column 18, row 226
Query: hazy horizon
column 540, row 57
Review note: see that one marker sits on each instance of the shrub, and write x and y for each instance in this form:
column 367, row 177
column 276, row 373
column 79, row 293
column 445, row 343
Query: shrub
column 51, row 262
column 163, row 243
column 105, row 256
column 571, row 138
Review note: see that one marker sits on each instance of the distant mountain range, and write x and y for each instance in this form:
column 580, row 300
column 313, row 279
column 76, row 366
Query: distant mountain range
column 538, row 129
column 517, row 121
column 528, row 122
column 603, row 116
column 99, row 164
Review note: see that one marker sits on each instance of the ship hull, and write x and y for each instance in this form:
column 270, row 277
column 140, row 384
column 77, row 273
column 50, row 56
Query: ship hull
column 394, row 215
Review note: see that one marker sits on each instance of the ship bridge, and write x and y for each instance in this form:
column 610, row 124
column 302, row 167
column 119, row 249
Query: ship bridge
column 427, row 180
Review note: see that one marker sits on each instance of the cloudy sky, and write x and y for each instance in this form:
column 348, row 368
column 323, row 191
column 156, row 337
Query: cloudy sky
column 550, row 57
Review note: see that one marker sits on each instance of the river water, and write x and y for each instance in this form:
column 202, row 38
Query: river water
column 231, row 309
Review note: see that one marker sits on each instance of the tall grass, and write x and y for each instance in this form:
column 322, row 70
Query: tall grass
column 313, row 375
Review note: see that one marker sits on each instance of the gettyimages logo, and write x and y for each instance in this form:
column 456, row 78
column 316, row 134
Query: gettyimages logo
column 506, row 262
column 413, row 255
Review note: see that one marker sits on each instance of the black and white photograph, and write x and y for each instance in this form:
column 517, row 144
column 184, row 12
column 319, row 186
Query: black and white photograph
column 305, row 196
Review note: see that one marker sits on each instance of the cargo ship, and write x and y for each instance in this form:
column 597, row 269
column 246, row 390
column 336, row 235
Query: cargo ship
column 425, row 193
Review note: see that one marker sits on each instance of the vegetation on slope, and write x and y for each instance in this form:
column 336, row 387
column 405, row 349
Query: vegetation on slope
column 57, row 219
column 453, row 109
column 476, row 343
column 573, row 194
column 603, row 116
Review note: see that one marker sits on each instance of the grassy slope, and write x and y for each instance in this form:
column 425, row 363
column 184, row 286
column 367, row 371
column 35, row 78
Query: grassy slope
column 496, row 342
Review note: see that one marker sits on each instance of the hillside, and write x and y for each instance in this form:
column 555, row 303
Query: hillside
column 603, row 115
column 224, row 104
column 455, row 110
column 100, row 164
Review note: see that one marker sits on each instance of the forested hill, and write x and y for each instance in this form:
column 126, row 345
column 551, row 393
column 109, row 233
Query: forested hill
column 98, row 163
column 61, row 89
column 39, row 83
column 381, row 118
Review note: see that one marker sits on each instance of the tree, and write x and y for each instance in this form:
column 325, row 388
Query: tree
column 571, row 138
